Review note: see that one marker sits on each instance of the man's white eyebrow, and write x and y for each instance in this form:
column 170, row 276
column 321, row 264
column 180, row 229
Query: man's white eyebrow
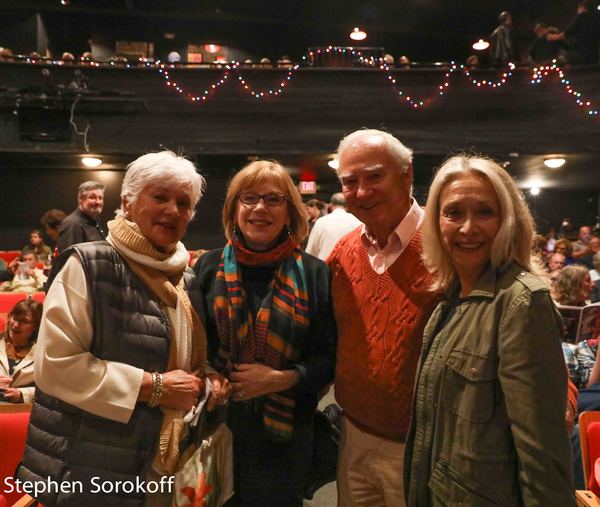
column 368, row 168
column 373, row 167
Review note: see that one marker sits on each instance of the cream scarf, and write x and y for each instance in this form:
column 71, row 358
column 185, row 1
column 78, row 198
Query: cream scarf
column 163, row 274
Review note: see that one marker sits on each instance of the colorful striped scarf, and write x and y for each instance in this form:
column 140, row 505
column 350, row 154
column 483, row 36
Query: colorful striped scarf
column 276, row 337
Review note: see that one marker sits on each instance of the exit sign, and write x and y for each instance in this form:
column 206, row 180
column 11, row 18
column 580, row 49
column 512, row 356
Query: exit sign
column 308, row 187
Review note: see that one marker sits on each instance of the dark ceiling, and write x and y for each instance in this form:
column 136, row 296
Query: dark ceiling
column 425, row 30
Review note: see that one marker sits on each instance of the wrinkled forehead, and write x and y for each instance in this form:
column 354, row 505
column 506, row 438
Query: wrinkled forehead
column 91, row 194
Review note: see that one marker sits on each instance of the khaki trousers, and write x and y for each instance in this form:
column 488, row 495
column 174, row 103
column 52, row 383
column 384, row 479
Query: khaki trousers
column 370, row 470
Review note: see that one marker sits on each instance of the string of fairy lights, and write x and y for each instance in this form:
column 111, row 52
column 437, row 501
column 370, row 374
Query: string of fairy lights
column 357, row 57
column 542, row 72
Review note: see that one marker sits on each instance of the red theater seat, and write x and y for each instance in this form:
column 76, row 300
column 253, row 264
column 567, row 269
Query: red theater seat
column 14, row 419
column 8, row 255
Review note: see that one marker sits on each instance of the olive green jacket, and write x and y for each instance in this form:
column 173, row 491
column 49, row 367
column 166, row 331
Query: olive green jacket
column 489, row 428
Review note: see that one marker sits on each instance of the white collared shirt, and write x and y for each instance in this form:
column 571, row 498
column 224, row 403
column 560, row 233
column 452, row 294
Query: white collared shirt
column 382, row 258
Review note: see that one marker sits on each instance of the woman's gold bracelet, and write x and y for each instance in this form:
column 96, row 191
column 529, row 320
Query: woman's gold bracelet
column 157, row 383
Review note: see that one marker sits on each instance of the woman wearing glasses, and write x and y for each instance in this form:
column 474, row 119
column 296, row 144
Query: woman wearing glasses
column 271, row 332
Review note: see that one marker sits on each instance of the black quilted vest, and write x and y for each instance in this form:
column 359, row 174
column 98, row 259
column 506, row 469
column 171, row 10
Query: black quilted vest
column 69, row 444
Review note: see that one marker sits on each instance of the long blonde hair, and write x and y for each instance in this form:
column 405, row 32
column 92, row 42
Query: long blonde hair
column 514, row 239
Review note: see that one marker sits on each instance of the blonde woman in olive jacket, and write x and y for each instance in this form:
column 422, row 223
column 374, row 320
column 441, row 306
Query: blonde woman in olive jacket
column 490, row 399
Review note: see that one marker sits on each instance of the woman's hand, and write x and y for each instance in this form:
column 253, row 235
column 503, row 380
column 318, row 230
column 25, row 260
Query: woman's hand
column 12, row 394
column 180, row 390
column 5, row 381
column 253, row 380
column 221, row 390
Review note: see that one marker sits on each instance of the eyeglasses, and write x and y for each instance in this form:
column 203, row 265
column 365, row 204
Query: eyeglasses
column 271, row 200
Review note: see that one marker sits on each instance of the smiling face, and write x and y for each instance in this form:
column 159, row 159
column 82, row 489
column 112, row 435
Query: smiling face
column 469, row 222
column 375, row 189
column 162, row 214
column 92, row 202
column 261, row 224
column 20, row 328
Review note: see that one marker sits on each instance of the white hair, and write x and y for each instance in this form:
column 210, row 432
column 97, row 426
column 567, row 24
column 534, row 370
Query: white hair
column 400, row 153
column 166, row 168
column 515, row 236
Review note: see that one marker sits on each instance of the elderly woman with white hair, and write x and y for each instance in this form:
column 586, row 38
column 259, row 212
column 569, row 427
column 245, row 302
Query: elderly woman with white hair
column 121, row 354
column 488, row 424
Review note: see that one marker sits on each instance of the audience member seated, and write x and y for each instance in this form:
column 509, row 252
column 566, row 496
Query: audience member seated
column 565, row 247
column 581, row 245
column 51, row 220
column 27, row 278
column 573, row 286
column 17, row 346
column 37, row 246
column 284, row 62
column 593, row 248
column 580, row 358
column 595, row 277
column 404, row 62
column 556, row 262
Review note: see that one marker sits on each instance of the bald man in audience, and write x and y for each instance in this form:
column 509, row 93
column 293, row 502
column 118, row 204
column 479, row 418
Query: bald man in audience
column 581, row 247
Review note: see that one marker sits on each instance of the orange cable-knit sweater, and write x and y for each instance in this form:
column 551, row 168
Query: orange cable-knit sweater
column 380, row 322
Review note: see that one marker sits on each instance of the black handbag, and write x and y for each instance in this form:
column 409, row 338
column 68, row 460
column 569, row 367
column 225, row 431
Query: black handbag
column 327, row 431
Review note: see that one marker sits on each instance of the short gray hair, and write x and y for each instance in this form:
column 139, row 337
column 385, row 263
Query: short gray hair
column 400, row 153
column 515, row 236
column 88, row 186
column 166, row 168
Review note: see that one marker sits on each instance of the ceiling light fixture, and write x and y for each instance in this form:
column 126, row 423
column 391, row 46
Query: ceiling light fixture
column 534, row 191
column 480, row 45
column 554, row 162
column 358, row 34
column 91, row 162
column 333, row 163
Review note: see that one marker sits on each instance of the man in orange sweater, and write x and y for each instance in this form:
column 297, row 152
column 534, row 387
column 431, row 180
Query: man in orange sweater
column 382, row 303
